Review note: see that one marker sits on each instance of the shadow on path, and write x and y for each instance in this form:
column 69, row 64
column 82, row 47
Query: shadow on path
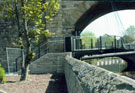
column 57, row 84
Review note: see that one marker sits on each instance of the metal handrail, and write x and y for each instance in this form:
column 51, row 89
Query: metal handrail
column 49, row 45
column 116, row 43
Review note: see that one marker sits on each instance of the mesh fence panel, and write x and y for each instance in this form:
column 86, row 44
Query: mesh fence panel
column 13, row 54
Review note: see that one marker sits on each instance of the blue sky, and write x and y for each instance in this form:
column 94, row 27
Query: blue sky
column 110, row 23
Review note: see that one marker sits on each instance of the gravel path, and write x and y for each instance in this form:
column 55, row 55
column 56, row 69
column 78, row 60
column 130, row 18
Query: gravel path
column 45, row 83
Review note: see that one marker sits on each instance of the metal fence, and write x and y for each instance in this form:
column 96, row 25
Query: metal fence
column 129, row 46
column 12, row 54
column 52, row 45
column 99, row 43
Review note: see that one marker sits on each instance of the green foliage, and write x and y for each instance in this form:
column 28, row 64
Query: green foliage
column 40, row 12
column 2, row 75
column 129, row 35
column 31, row 55
column 88, row 39
column 128, row 39
column 92, row 61
column 37, row 14
column 107, row 39
column 31, row 18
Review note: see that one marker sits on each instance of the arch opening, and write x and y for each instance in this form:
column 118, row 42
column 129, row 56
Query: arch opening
column 113, row 30
column 98, row 10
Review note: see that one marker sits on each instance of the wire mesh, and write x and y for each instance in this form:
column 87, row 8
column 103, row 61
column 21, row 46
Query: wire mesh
column 12, row 55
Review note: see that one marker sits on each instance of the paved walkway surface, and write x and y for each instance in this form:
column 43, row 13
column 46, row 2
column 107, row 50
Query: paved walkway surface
column 43, row 83
column 57, row 84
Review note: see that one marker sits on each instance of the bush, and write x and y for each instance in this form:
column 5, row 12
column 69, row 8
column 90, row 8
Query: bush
column 92, row 61
column 2, row 75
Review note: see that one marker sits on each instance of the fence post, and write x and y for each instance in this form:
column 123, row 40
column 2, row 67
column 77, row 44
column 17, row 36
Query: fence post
column 23, row 59
column 112, row 44
column 38, row 50
column 91, row 43
column 63, row 44
column 118, row 44
column 115, row 43
column 16, row 65
column 105, row 46
column 100, row 42
column 76, row 43
column 81, row 43
column 122, row 44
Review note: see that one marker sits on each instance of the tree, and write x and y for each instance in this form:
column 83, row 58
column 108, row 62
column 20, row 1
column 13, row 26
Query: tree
column 105, row 41
column 31, row 18
column 88, row 39
column 129, row 35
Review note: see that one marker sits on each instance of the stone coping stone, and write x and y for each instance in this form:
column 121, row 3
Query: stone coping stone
column 98, row 80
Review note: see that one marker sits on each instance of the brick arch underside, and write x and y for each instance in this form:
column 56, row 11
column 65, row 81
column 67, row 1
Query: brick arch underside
column 99, row 9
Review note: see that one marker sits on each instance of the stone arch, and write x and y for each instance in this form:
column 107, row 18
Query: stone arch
column 130, row 62
column 99, row 9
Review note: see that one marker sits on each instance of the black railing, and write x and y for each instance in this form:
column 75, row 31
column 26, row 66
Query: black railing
column 77, row 43
column 18, row 60
column 52, row 45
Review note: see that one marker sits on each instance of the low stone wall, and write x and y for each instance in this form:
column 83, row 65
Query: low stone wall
column 49, row 63
column 85, row 78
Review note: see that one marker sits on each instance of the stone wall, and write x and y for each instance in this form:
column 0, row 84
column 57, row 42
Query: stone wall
column 85, row 78
column 8, row 33
column 64, row 23
column 49, row 63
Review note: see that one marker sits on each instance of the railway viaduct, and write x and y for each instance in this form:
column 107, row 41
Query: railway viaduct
column 75, row 15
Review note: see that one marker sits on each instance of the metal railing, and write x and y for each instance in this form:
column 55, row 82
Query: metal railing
column 129, row 46
column 57, row 44
column 52, row 45
column 77, row 43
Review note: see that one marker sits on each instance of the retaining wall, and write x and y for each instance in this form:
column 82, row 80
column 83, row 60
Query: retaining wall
column 82, row 77
column 49, row 63
column 85, row 78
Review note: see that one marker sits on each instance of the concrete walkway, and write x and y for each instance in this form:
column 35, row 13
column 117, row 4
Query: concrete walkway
column 37, row 83
column 57, row 84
